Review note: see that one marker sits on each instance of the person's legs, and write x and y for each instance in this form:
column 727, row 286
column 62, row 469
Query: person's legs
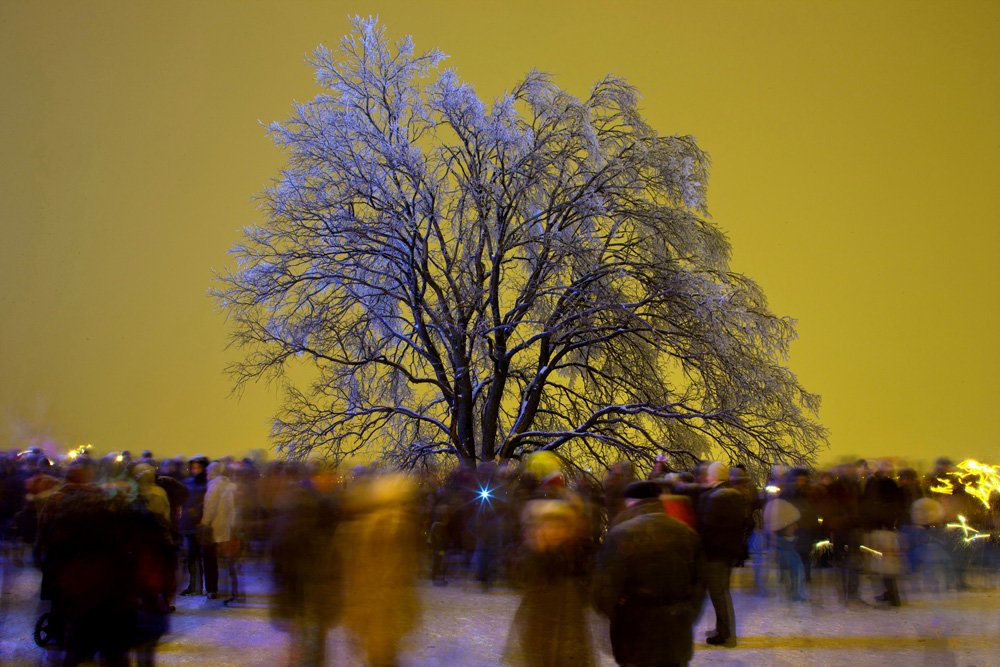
column 193, row 565
column 717, row 575
column 211, row 564
column 792, row 562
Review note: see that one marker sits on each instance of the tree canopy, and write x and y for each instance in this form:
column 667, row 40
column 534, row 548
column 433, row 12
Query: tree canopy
column 478, row 281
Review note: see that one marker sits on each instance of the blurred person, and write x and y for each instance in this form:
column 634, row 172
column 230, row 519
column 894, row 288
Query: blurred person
column 802, row 493
column 762, row 545
column 103, row 567
column 216, row 530
column 926, row 546
column 721, row 512
column 191, row 513
column 941, row 474
column 741, row 481
column 660, row 469
column 965, row 509
column 862, row 472
column 379, row 543
column 153, row 496
column 13, row 498
column 39, row 484
column 250, row 529
column 437, row 540
column 549, row 628
column 619, row 476
column 840, row 511
column 677, row 505
column 648, row 581
column 781, row 519
column 116, row 480
column 485, row 523
column 306, row 573
column 912, row 488
column 992, row 526
column 882, row 511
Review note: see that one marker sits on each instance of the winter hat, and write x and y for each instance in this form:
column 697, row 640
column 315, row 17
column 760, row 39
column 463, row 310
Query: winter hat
column 926, row 511
column 642, row 490
column 215, row 469
column 718, row 471
column 780, row 514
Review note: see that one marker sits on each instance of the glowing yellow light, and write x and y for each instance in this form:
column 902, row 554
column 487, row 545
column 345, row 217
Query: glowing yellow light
column 871, row 551
column 73, row 454
column 772, row 489
column 987, row 482
column 824, row 543
column 119, row 458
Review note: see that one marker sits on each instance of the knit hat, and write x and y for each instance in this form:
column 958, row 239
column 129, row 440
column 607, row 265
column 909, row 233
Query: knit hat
column 780, row 514
column 926, row 511
column 642, row 490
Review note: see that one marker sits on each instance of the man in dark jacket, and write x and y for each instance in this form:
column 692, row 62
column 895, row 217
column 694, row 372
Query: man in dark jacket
column 721, row 510
column 648, row 582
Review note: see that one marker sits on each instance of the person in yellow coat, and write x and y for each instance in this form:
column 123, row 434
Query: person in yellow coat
column 379, row 542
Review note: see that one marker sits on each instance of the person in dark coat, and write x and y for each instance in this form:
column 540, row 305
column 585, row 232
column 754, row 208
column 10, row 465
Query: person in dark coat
column 882, row 509
column 307, row 581
column 722, row 514
column 103, row 570
column 839, row 508
column 194, row 505
column 649, row 582
column 550, row 627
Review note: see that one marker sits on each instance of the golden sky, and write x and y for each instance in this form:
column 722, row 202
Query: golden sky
column 856, row 169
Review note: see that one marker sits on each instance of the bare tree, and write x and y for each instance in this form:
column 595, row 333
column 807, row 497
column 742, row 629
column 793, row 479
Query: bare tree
column 483, row 282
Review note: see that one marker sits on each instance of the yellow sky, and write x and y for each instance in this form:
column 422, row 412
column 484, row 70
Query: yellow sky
column 855, row 168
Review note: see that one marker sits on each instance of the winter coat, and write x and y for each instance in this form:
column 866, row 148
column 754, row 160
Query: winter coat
column 649, row 583
column 549, row 628
column 306, row 563
column 220, row 509
column 680, row 508
column 882, row 504
column 722, row 514
column 194, row 504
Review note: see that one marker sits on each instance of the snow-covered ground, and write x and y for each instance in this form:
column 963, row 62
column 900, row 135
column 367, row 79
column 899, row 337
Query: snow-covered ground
column 464, row 627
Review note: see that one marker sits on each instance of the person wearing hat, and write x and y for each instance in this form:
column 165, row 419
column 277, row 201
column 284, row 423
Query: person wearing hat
column 649, row 581
column 781, row 519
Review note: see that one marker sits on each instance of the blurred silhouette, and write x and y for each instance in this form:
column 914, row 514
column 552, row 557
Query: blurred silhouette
column 306, row 570
column 378, row 542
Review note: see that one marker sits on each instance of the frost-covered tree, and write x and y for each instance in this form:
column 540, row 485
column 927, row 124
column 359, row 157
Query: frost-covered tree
column 435, row 276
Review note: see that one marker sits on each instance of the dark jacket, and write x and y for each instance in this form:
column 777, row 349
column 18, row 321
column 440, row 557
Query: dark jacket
column 882, row 505
column 649, row 583
column 722, row 512
column 194, row 504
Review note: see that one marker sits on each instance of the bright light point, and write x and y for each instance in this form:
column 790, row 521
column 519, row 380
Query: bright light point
column 73, row 454
column 484, row 494
column 119, row 458
column 770, row 488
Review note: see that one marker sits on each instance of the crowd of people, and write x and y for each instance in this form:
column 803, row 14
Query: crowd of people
column 117, row 540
